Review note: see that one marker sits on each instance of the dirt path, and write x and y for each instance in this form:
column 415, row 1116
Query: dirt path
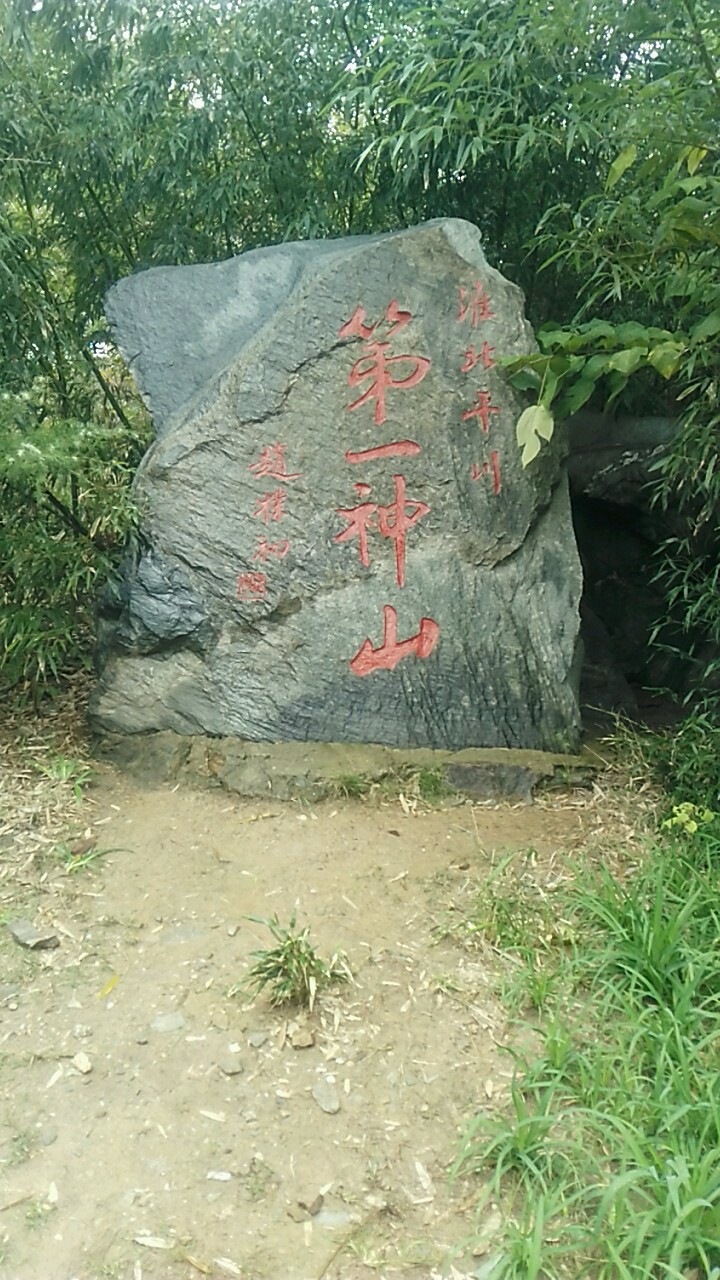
column 155, row 1127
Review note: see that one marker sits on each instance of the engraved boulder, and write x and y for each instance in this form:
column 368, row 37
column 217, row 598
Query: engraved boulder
column 338, row 541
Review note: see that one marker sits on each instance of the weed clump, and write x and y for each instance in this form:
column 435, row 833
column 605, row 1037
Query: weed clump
column 292, row 970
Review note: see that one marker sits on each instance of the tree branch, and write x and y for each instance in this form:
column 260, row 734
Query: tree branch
column 107, row 389
column 67, row 514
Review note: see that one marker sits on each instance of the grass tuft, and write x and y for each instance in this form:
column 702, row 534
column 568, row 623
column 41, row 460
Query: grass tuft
column 61, row 768
column 292, row 970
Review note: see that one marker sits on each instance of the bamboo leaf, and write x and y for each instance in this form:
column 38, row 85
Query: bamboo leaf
column 620, row 165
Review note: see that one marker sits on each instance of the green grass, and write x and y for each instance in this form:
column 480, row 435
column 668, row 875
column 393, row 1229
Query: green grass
column 21, row 1147
column 292, row 970
column 350, row 786
column 426, row 785
column 684, row 761
column 61, row 768
column 606, row 1159
column 432, row 786
column 512, row 913
column 77, row 862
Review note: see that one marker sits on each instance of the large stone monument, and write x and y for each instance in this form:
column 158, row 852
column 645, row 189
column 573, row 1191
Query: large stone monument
column 338, row 540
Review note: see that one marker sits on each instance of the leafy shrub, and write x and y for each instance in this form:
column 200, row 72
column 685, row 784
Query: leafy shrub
column 685, row 761
column 65, row 511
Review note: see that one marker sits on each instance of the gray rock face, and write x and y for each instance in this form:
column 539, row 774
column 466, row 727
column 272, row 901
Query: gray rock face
column 338, row 540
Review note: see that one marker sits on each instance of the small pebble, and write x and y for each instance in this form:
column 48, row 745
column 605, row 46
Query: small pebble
column 165, row 1022
column 231, row 1066
column 326, row 1096
column 302, row 1038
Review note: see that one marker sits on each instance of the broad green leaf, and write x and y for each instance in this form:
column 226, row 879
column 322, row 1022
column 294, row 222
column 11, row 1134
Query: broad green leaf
column 707, row 328
column 596, row 366
column 531, row 449
column 627, row 361
column 537, row 360
column 597, row 329
column 620, row 164
column 616, row 384
column 525, row 380
column 534, row 424
column 562, row 364
column 551, row 382
column 630, row 333
column 551, row 339
column 666, row 358
column 575, row 397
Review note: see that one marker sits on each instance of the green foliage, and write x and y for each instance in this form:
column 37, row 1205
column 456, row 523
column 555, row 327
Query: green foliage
column 351, row 786
column 689, row 817
column 66, row 511
column 292, row 969
column 431, row 786
column 611, row 1133
column 78, row 862
column 65, row 769
column 510, row 912
column 685, row 761
column 591, row 361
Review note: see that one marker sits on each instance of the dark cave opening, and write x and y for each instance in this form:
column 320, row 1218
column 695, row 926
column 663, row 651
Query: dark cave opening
column 623, row 670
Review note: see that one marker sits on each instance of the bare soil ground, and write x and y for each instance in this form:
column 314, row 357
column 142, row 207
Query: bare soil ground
column 155, row 1127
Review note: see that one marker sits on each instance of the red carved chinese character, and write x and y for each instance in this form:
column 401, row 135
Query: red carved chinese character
column 395, row 520
column 396, row 318
column 266, row 550
column 392, row 521
column 482, row 410
column 251, row 586
column 360, row 519
column 375, row 364
column 482, row 469
column 355, row 326
column 477, row 305
column 398, row 449
column 271, row 506
column 391, row 652
column 472, row 358
column 272, row 463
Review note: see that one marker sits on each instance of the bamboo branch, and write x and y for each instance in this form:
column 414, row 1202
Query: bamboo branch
column 67, row 515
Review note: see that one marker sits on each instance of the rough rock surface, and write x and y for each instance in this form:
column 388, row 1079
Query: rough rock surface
column 320, row 770
column 614, row 459
column 338, row 541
